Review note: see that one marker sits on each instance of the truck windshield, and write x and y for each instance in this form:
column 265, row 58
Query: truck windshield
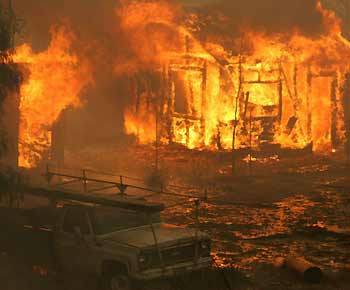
column 108, row 220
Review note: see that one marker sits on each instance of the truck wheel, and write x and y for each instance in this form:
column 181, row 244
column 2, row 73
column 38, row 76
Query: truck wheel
column 116, row 281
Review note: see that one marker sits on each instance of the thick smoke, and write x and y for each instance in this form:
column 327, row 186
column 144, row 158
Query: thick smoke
column 89, row 18
column 272, row 16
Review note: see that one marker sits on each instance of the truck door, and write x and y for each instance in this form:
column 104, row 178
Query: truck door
column 72, row 250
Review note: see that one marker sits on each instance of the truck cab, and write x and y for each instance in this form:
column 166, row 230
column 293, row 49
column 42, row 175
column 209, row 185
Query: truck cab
column 120, row 245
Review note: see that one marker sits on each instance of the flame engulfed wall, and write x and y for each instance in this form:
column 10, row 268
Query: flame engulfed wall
column 53, row 81
column 278, row 89
column 244, row 90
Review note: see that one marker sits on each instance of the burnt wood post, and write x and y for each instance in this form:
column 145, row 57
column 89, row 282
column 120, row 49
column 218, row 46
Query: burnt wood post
column 188, row 127
column 204, row 101
column 334, row 108
column 295, row 81
column 346, row 104
column 219, row 123
column 250, row 142
column 157, row 96
column 280, row 95
column 235, row 121
column 171, row 101
column 58, row 141
column 309, row 105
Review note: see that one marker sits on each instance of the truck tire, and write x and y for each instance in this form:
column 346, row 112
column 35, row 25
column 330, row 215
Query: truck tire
column 116, row 281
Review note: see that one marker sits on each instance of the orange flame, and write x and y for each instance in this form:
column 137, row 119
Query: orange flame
column 289, row 84
column 54, row 81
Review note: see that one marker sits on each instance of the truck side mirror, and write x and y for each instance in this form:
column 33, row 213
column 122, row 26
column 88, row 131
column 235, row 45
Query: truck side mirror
column 78, row 234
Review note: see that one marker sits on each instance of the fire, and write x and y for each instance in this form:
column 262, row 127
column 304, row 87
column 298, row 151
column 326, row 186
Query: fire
column 53, row 81
column 278, row 89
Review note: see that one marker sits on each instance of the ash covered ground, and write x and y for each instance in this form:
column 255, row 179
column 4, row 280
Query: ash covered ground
column 272, row 208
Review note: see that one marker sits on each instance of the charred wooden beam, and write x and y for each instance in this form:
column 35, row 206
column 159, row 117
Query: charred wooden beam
column 346, row 105
column 189, row 58
column 295, row 84
column 328, row 74
column 204, row 101
column 188, row 126
column 246, row 102
column 186, row 68
column 262, row 82
column 163, row 99
column 186, row 117
column 58, row 141
column 280, row 97
column 171, row 103
column 309, row 104
column 235, row 121
column 218, row 137
column 265, row 119
column 334, row 108
column 291, row 125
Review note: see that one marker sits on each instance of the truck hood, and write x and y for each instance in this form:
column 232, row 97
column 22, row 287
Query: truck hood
column 142, row 237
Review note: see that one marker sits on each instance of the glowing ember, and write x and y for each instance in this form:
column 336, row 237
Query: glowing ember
column 54, row 80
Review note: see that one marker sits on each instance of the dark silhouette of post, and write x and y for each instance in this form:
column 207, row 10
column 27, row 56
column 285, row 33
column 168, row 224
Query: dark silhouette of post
column 346, row 104
column 235, row 121
column 157, row 134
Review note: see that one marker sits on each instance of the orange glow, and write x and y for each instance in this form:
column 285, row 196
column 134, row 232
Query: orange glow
column 53, row 81
column 290, row 83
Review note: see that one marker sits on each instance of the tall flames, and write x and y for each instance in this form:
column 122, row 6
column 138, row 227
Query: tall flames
column 270, row 89
column 53, row 81
column 246, row 91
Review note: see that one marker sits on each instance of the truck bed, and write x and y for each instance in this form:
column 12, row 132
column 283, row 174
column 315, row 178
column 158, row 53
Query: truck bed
column 27, row 235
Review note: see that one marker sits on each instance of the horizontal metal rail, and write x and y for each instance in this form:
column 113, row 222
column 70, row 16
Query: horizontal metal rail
column 120, row 202
column 213, row 198
column 120, row 185
column 132, row 178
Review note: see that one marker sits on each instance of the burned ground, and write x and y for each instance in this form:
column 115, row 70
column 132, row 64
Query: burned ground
column 274, row 207
column 301, row 207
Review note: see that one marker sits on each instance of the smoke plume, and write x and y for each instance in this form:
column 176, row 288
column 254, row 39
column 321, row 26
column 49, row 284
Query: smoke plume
column 272, row 16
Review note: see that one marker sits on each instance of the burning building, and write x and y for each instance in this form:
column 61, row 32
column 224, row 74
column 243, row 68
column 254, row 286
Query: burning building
column 199, row 78
column 284, row 89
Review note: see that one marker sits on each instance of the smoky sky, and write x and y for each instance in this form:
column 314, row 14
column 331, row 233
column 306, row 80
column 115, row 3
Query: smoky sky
column 87, row 17
column 272, row 16
column 97, row 17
